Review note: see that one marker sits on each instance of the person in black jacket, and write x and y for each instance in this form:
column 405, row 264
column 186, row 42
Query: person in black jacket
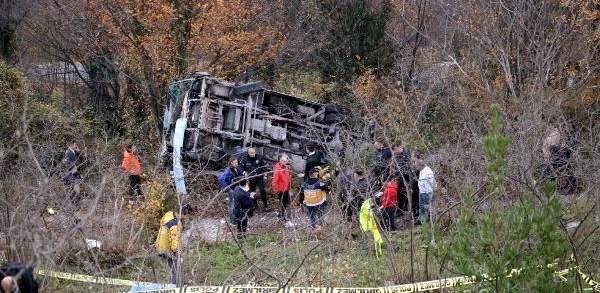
column 414, row 184
column 17, row 277
column 314, row 158
column 401, row 165
column 254, row 167
column 560, row 157
column 73, row 175
column 356, row 197
column 243, row 206
column 381, row 168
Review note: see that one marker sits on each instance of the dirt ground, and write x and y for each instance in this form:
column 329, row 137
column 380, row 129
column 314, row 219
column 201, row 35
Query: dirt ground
column 110, row 221
column 214, row 229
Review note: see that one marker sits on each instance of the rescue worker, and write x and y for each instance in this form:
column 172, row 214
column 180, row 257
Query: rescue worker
column 167, row 241
column 313, row 195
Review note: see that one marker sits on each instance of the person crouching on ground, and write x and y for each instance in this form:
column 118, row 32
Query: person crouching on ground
column 243, row 206
column 314, row 196
column 17, row 277
column 167, row 241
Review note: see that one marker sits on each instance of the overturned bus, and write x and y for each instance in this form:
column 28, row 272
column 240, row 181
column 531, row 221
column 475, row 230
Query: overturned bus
column 207, row 120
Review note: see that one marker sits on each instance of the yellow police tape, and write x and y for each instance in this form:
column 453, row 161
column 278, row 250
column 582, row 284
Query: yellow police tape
column 414, row 287
column 90, row 279
column 588, row 280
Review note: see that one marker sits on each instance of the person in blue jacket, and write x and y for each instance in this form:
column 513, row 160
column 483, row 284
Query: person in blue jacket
column 227, row 180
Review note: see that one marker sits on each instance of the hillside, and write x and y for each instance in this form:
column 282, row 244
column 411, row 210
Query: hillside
column 500, row 99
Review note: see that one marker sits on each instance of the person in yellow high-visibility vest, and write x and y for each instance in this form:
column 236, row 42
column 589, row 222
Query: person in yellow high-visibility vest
column 368, row 224
column 313, row 194
column 167, row 241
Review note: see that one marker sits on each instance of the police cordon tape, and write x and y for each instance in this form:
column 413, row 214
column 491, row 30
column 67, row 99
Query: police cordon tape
column 90, row 279
column 588, row 280
column 405, row 288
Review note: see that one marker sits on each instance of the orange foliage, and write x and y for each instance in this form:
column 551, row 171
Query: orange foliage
column 226, row 36
column 138, row 30
column 232, row 36
column 584, row 17
column 155, row 41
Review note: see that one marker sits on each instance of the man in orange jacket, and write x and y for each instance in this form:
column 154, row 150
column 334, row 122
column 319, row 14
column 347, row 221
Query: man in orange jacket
column 131, row 165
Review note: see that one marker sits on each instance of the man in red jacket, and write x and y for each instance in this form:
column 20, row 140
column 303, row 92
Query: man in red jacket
column 281, row 185
column 389, row 203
